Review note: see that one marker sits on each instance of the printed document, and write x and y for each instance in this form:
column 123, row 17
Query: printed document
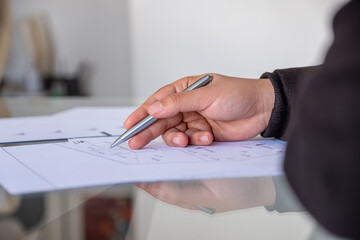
column 73, row 123
column 88, row 162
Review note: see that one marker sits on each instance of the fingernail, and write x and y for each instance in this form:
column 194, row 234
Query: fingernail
column 204, row 139
column 155, row 107
column 177, row 141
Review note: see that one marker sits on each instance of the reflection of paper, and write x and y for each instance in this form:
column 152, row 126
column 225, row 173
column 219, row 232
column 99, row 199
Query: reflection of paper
column 77, row 122
column 89, row 162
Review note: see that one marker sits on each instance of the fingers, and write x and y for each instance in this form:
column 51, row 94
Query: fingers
column 183, row 194
column 135, row 117
column 173, row 101
column 201, row 138
column 178, row 131
column 173, row 88
column 153, row 131
column 189, row 101
column 175, row 137
column 194, row 132
column 199, row 130
column 169, row 192
column 141, row 112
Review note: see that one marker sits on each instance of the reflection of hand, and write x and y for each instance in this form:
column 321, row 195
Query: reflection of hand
column 228, row 109
column 219, row 194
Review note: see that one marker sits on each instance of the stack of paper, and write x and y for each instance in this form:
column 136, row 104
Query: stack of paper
column 77, row 122
column 87, row 162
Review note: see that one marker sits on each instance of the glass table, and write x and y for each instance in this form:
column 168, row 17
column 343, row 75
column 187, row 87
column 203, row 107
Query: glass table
column 234, row 208
column 261, row 207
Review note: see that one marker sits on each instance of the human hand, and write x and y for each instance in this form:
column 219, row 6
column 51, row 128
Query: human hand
column 228, row 109
column 219, row 194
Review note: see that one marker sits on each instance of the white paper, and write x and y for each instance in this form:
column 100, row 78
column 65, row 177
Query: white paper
column 89, row 162
column 77, row 122
column 96, row 113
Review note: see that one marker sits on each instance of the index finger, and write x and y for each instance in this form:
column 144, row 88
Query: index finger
column 175, row 87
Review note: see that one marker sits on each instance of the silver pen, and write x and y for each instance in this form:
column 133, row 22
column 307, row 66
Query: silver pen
column 207, row 210
column 147, row 121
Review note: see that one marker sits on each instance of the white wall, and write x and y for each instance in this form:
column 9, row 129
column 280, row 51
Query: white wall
column 172, row 39
column 138, row 46
column 95, row 31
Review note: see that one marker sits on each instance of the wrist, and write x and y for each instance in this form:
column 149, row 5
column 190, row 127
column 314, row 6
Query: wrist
column 266, row 100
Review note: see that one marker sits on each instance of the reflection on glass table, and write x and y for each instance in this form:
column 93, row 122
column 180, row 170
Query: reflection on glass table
column 244, row 208
column 219, row 195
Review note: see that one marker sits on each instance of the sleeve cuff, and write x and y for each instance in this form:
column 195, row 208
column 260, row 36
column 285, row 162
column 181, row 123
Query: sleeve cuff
column 277, row 122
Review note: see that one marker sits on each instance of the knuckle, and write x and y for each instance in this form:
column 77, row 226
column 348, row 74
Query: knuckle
column 173, row 103
column 148, row 135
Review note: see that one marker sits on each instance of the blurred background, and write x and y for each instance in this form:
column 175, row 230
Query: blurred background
column 129, row 49
column 66, row 53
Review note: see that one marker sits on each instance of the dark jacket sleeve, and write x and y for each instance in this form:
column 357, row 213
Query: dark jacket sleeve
column 286, row 83
column 322, row 161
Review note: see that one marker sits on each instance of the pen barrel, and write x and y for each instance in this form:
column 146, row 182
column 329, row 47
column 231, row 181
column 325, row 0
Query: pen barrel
column 144, row 123
column 138, row 127
column 205, row 80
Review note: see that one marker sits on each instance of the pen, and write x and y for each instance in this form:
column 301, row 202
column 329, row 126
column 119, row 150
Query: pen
column 207, row 210
column 147, row 121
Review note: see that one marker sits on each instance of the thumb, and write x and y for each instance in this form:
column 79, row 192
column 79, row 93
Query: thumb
column 187, row 101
